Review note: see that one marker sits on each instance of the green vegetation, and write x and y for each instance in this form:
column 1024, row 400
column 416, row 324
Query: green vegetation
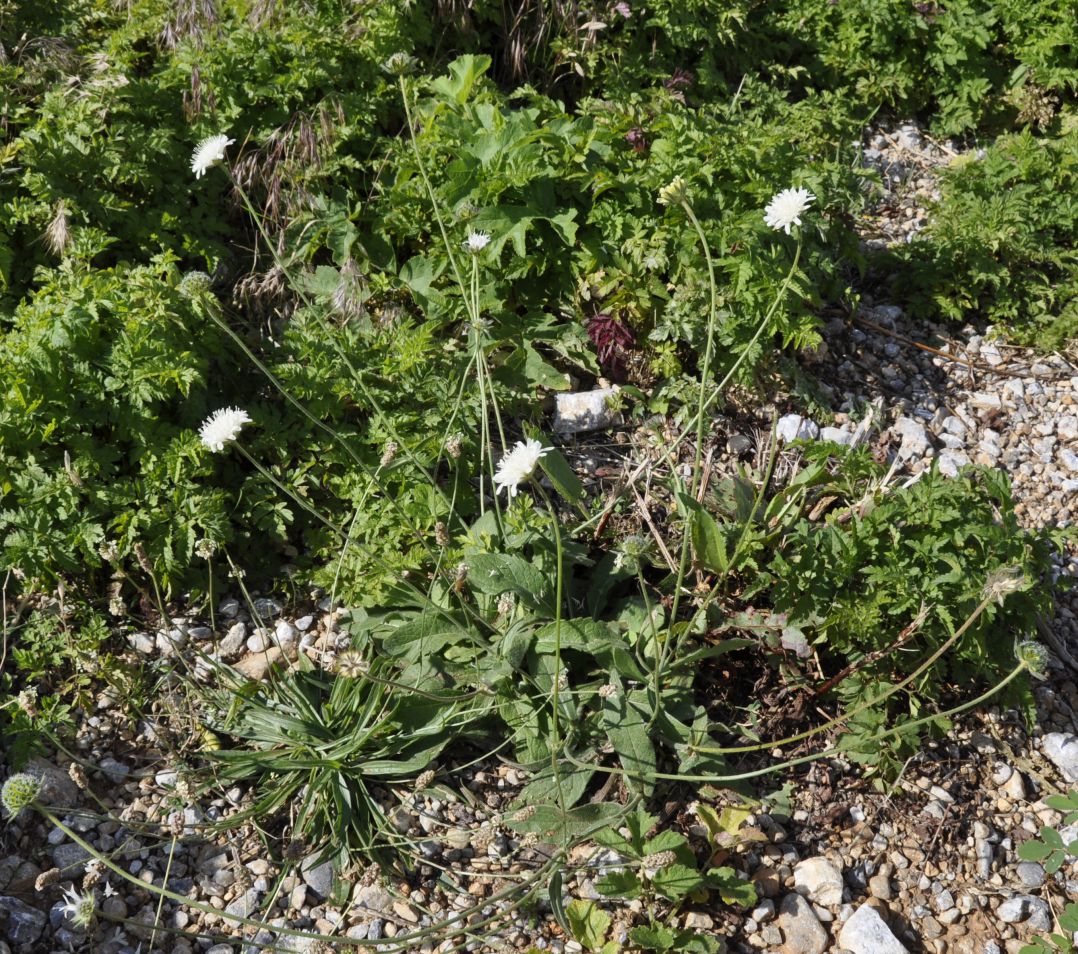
column 402, row 245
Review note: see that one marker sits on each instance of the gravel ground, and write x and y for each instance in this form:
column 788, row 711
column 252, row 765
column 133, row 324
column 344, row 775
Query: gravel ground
column 930, row 865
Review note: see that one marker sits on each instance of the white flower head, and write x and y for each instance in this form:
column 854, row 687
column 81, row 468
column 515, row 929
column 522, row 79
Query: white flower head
column 80, row 908
column 518, row 465
column 222, row 427
column 208, row 153
column 786, row 207
column 476, row 242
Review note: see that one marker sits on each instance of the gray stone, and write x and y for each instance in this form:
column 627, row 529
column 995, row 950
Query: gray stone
column 265, row 607
column 318, row 875
column 287, row 635
column 1062, row 749
column 1069, row 459
column 114, row 771
column 234, row 639
column 23, row 924
column 739, row 444
column 372, row 897
column 794, row 427
column 246, row 905
column 229, row 608
column 801, row 928
column 304, row 623
column 1030, row 874
column 865, row 932
column 1014, row 910
column 69, row 856
column 585, row 411
column 1040, row 915
column 951, row 461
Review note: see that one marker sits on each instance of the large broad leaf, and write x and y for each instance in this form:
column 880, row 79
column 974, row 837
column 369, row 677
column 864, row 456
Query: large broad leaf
column 562, row 476
column 584, row 635
column 555, row 825
column 568, row 787
column 588, row 923
column 464, row 72
column 676, row 881
column 497, row 573
column 708, row 541
column 424, row 635
column 625, row 719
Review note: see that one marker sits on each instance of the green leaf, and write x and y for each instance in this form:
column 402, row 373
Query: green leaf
column 625, row 719
column 497, row 573
column 562, row 476
column 516, row 642
column 557, row 901
column 588, row 923
column 1033, row 851
column 675, row 881
column 464, row 72
column 652, row 936
column 623, row 883
column 731, row 888
column 708, row 541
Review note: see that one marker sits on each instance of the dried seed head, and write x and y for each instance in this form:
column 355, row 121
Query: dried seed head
column 452, row 446
column 506, row 603
column 425, row 780
column 57, row 235
column 441, row 534
column 389, row 453
column 117, row 607
column 77, row 774
column 659, row 860
column 352, row 665
column 143, row 559
column 524, row 814
column 27, row 700
column 109, row 552
column 47, row 879
column 529, row 840
column 608, row 691
column 1003, row 582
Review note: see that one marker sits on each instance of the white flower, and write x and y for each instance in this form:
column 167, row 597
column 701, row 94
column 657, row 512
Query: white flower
column 476, row 242
column 79, row 907
column 517, row 466
column 209, row 152
column 785, row 208
column 222, row 426
column 110, row 891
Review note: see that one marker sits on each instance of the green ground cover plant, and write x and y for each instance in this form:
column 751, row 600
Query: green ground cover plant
column 1000, row 244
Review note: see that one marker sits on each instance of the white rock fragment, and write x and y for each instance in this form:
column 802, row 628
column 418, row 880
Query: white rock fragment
column 836, row 435
column 820, row 880
column 1062, row 750
column 867, row 933
column 585, row 411
column 1069, row 459
column 794, row 427
column 952, row 461
column 986, row 400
